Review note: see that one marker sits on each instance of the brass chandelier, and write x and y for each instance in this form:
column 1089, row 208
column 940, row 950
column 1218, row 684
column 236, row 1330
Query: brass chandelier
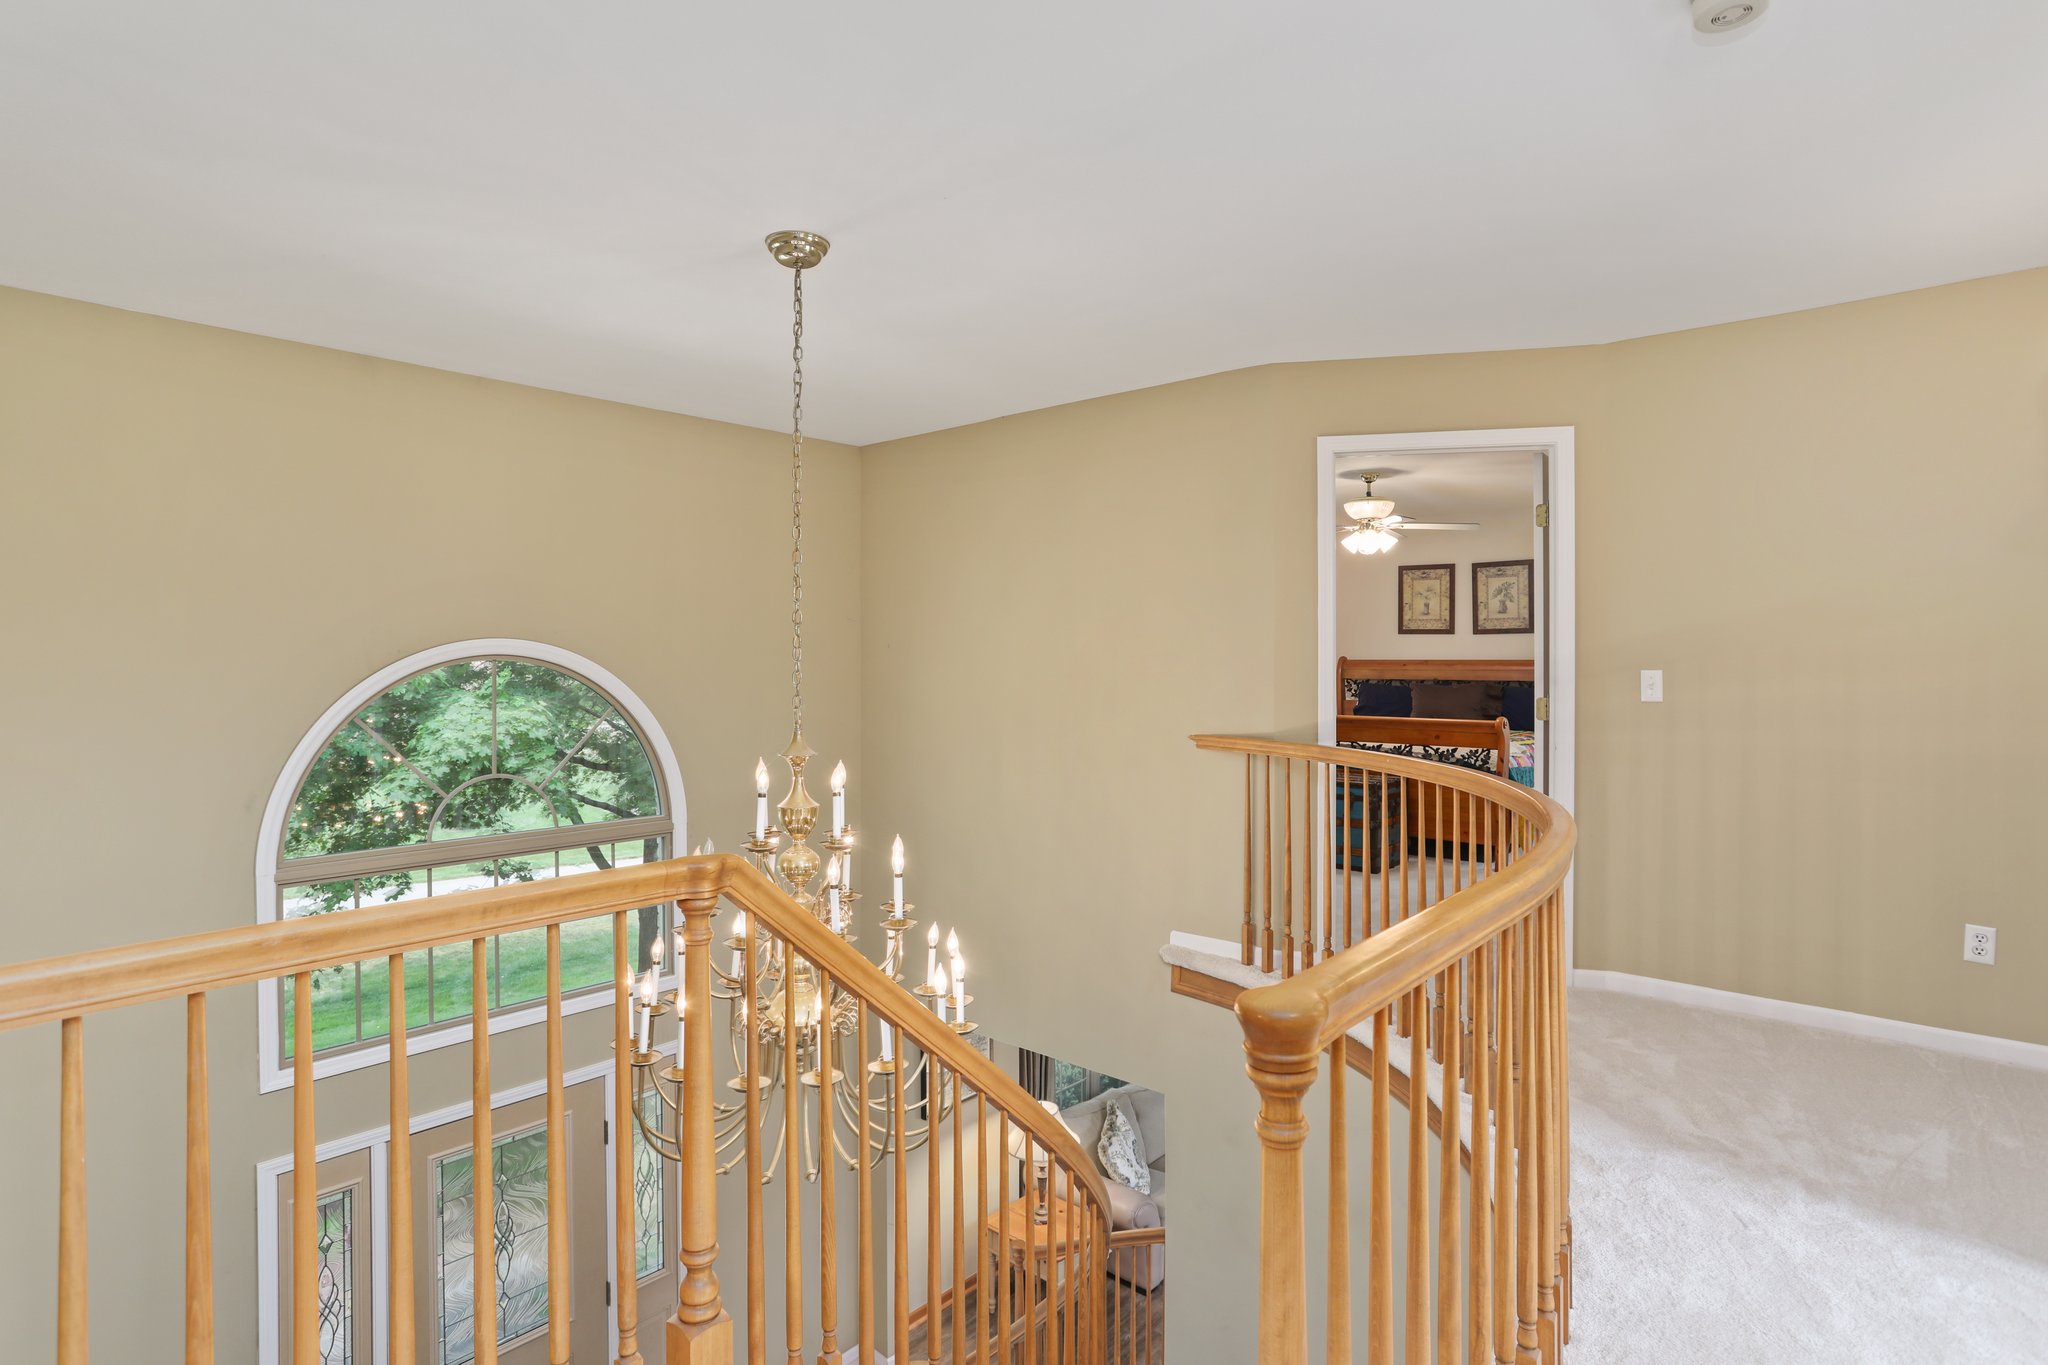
column 803, row 1024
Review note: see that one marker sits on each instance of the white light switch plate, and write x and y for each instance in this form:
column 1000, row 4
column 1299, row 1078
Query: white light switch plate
column 1653, row 684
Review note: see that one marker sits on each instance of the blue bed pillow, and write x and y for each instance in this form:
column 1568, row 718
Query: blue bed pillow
column 1518, row 704
column 1383, row 699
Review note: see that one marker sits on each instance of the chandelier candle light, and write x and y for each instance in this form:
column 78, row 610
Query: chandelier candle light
column 802, row 1026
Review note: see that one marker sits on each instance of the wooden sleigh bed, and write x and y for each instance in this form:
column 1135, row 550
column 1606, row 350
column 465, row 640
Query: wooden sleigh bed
column 1466, row 741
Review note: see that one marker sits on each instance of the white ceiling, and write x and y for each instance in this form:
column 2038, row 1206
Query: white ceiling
column 1452, row 485
column 1030, row 204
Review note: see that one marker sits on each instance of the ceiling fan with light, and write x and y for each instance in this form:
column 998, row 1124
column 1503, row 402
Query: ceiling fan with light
column 1375, row 528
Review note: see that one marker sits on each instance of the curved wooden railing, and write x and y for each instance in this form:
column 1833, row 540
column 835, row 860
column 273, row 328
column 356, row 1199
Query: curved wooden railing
column 67, row 991
column 1454, row 946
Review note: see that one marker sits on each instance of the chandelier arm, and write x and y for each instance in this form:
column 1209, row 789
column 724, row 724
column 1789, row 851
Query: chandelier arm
column 657, row 1139
column 775, row 1157
column 809, row 1137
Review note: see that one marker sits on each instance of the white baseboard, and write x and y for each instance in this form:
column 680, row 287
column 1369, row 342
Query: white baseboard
column 1984, row 1047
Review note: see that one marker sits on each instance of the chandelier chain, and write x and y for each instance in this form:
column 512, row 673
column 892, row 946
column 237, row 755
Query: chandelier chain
column 796, row 505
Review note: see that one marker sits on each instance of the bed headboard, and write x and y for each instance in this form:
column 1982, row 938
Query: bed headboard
column 1510, row 685
column 1436, row 670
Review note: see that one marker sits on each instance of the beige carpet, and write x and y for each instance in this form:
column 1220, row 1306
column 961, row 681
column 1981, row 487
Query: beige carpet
column 1746, row 1191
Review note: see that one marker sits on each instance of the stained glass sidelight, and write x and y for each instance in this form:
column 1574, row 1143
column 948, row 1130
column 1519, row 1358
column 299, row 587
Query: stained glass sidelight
column 649, row 1208
column 336, row 1223
column 519, row 1242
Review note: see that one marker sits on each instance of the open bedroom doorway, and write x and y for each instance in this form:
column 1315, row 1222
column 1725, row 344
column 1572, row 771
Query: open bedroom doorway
column 1445, row 593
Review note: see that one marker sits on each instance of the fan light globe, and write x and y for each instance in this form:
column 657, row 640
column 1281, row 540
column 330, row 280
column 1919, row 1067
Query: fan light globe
column 1369, row 509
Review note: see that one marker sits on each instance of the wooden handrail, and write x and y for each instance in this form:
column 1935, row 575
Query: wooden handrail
column 104, row 979
column 93, row 982
column 1521, row 798
column 1308, row 1010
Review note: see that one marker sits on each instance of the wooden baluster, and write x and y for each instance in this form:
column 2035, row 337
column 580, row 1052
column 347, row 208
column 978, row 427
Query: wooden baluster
column 1337, row 1288
column 1281, row 1079
column 1504, row 1206
column 792, row 1202
column 305, row 1182
column 700, row 1333
column 198, row 1189
column 558, row 1159
column 1564, row 1125
column 1003, row 1274
column 1074, row 1271
column 1437, row 826
column 71, row 1263
column 1246, row 934
column 1459, row 852
column 1354, row 841
column 626, row 1241
column 1417, row 1322
column 1287, row 867
column 750, row 1047
column 1447, row 1265
column 1033, row 1341
column 1118, row 1259
column 483, row 1190
column 900, row 1302
column 959, row 1231
column 1325, row 790
column 828, row 1202
column 1048, row 1343
column 982, row 1344
column 1479, row 1311
column 1379, row 1301
column 1388, row 788
column 1527, row 1125
column 401, row 1310
column 1546, row 1119
column 1411, row 809
column 1266, row 866
column 864, row 1194
column 934, row 1088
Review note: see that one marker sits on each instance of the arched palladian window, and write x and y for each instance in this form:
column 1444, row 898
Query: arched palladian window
column 471, row 773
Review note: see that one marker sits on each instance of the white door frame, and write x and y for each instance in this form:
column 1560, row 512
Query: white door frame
column 1558, row 447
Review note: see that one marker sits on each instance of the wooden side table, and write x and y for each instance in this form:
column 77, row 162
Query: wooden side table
column 1031, row 1258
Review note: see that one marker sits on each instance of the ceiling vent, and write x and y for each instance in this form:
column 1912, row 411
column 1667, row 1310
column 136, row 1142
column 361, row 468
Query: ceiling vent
column 1723, row 16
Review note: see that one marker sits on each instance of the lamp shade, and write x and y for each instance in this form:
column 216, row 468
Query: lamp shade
column 1020, row 1137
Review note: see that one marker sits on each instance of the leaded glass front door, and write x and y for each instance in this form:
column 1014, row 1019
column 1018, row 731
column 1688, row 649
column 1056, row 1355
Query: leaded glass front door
column 446, row 1240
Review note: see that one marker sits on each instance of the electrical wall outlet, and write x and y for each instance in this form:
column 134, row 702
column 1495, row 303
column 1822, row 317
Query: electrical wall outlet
column 1980, row 944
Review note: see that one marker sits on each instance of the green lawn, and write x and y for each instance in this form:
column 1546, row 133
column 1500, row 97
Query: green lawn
column 518, row 967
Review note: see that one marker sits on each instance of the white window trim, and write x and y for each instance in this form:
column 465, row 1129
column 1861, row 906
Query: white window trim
column 377, row 1142
column 272, row 1074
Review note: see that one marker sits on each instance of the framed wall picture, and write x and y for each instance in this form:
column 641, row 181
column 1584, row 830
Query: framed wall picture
column 1503, row 597
column 1429, row 599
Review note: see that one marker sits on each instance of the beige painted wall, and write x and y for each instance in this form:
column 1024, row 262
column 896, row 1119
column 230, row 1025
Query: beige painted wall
column 1367, row 621
column 206, row 538
column 1841, row 777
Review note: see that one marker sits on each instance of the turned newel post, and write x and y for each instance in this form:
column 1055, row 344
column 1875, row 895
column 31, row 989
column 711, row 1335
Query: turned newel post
column 1281, row 1057
column 701, row 1331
